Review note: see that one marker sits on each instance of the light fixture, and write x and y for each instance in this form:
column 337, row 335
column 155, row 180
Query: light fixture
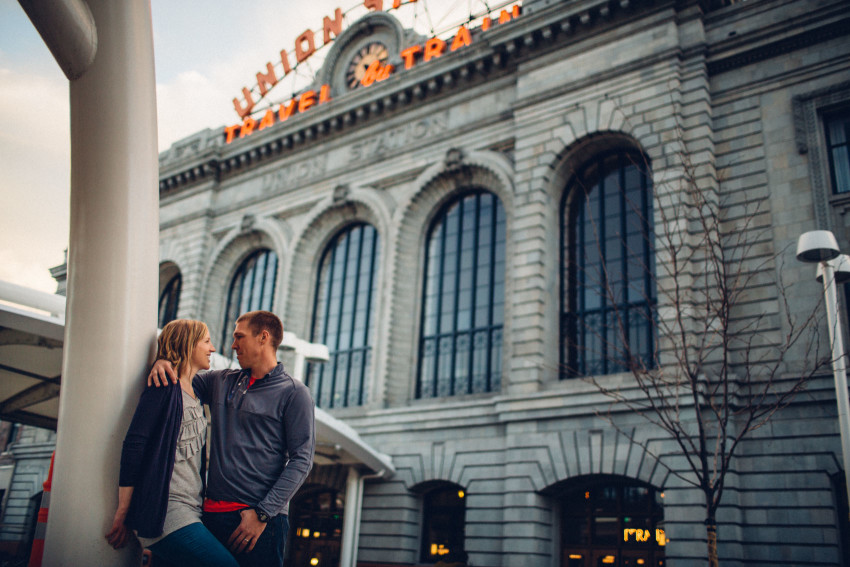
column 817, row 246
column 833, row 267
column 840, row 267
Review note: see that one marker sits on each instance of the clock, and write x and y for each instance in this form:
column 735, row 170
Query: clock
column 365, row 56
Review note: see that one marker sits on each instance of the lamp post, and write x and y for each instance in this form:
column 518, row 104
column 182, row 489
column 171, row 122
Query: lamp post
column 820, row 246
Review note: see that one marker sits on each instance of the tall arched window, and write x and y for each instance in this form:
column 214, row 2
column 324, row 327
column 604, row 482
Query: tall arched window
column 443, row 523
column 343, row 317
column 251, row 288
column 169, row 300
column 460, row 348
column 608, row 267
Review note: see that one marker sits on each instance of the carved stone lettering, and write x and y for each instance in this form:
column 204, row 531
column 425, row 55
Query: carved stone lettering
column 397, row 138
column 295, row 175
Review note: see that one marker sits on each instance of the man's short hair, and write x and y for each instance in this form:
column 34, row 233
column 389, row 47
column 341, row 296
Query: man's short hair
column 259, row 321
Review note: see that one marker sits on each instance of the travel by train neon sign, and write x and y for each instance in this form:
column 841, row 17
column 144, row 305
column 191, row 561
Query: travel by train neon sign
column 306, row 46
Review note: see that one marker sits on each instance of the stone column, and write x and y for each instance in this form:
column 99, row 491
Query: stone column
column 112, row 280
column 351, row 518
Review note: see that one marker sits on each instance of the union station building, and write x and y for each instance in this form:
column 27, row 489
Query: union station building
column 462, row 219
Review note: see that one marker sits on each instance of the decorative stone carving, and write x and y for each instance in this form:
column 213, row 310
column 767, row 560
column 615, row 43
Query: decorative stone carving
column 249, row 221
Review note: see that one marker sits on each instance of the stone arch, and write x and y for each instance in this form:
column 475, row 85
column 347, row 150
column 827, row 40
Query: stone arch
column 437, row 185
column 330, row 215
column 167, row 270
column 576, row 154
column 231, row 250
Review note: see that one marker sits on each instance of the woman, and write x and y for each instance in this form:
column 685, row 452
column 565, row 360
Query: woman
column 159, row 492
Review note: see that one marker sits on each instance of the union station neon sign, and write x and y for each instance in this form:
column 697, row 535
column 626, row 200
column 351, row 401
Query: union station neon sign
column 305, row 47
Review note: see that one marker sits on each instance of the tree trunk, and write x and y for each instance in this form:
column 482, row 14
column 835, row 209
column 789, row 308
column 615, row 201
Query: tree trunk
column 711, row 531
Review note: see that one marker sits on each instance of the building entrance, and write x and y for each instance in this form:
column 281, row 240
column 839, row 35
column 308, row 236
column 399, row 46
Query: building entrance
column 609, row 521
column 315, row 528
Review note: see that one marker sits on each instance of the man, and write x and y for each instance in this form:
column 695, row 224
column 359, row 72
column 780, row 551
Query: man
column 262, row 442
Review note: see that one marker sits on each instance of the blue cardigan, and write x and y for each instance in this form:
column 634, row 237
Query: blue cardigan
column 147, row 457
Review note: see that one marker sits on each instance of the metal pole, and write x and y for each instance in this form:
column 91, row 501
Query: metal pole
column 839, row 366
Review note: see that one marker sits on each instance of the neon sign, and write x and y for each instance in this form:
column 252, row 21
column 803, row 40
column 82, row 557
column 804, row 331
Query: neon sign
column 305, row 46
column 642, row 536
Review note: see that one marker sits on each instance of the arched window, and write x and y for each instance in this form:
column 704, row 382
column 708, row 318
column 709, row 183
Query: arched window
column 443, row 523
column 607, row 520
column 608, row 267
column 169, row 300
column 251, row 288
column 315, row 527
column 463, row 299
column 343, row 317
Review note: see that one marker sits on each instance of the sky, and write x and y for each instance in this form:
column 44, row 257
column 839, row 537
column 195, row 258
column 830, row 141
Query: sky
column 205, row 52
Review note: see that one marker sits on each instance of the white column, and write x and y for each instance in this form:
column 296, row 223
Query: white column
column 351, row 518
column 112, row 280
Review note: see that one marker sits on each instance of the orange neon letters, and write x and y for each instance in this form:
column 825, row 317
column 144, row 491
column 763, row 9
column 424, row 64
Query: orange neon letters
column 332, row 26
column 285, row 111
column 302, row 53
column 374, row 5
column 324, row 94
column 408, row 55
column 267, row 79
column 462, row 38
column 268, row 120
column 247, row 127
column 284, row 58
column 244, row 111
column 434, row 48
column 229, row 131
column 307, row 100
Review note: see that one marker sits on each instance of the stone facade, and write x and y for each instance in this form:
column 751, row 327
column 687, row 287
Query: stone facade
column 738, row 88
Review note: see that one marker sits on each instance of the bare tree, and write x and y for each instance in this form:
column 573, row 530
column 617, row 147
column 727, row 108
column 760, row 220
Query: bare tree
column 718, row 366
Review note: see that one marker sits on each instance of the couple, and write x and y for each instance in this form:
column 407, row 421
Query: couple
column 261, row 449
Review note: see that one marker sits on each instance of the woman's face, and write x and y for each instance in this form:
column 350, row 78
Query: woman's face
column 202, row 352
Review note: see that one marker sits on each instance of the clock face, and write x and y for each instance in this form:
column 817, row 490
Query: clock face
column 364, row 57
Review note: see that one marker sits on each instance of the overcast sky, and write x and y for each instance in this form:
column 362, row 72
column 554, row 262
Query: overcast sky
column 205, row 51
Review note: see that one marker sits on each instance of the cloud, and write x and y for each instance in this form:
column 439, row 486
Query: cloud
column 35, row 185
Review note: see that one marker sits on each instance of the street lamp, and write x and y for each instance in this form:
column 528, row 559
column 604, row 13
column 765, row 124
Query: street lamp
column 833, row 267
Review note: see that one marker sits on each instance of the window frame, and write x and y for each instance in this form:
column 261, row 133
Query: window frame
column 316, row 372
column 266, row 297
column 433, row 315
column 171, row 295
column 573, row 209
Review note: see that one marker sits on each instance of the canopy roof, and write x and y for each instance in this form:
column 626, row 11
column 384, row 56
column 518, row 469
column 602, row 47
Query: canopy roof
column 32, row 329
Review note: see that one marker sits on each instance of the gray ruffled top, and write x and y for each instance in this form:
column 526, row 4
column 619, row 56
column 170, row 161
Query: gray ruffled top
column 184, row 494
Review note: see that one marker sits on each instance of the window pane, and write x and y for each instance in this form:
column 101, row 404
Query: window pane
column 608, row 296
column 463, row 298
column 343, row 316
column 612, row 519
column 444, row 524
column 837, row 127
column 168, row 300
column 251, row 289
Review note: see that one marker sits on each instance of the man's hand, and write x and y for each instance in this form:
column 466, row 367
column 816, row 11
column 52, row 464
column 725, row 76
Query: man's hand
column 160, row 373
column 245, row 537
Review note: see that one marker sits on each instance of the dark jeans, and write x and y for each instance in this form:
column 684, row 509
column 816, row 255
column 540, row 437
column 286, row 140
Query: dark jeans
column 191, row 546
column 269, row 549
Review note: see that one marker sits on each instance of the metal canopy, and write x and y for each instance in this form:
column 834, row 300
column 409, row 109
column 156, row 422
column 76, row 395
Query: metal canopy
column 32, row 328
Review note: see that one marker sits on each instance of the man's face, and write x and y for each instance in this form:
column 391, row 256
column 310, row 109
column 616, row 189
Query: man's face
column 247, row 346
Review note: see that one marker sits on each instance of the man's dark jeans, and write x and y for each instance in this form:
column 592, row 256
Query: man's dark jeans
column 269, row 549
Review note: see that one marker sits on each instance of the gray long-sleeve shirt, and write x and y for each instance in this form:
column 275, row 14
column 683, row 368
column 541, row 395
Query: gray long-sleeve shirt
column 262, row 437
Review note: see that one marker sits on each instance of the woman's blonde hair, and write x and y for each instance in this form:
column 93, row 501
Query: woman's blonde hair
column 177, row 341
